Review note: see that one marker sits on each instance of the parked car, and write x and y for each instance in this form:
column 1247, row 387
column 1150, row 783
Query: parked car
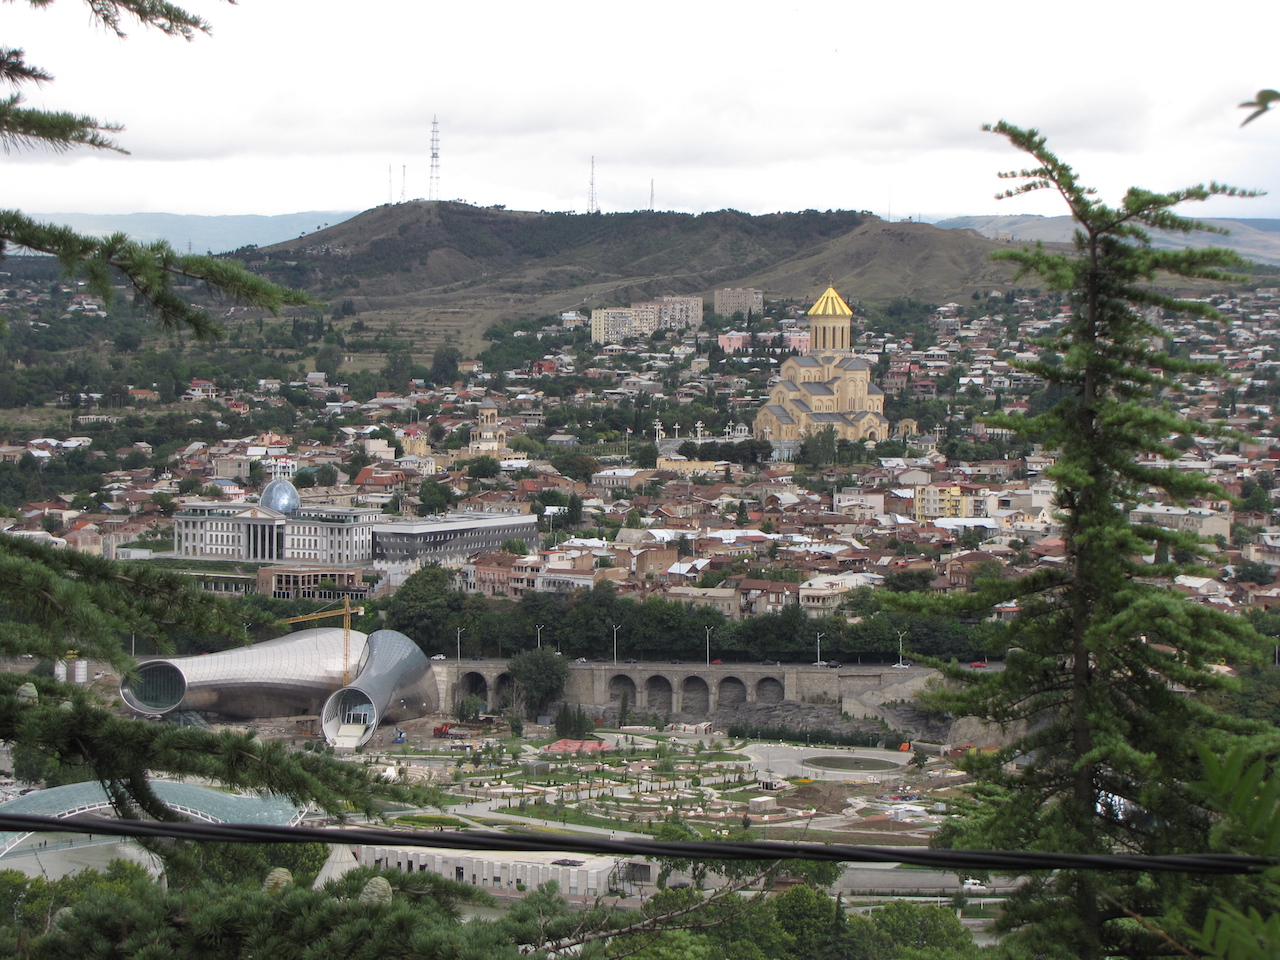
column 977, row 664
column 580, row 660
column 834, row 664
column 768, row 663
column 902, row 665
column 716, row 661
column 677, row 660
column 438, row 656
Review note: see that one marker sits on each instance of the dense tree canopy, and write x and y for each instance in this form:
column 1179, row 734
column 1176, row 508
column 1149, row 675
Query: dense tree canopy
column 540, row 676
column 430, row 609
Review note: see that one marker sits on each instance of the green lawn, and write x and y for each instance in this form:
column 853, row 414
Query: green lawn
column 432, row 820
column 570, row 815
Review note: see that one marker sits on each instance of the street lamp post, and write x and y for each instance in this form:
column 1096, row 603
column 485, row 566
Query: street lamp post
column 459, row 638
column 615, row 644
column 539, row 636
column 708, row 646
column 819, row 648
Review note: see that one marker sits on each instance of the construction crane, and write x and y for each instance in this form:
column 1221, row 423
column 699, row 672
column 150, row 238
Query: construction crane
column 345, row 613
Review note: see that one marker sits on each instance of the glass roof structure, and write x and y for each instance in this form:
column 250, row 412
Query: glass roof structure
column 190, row 800
column 281, row 495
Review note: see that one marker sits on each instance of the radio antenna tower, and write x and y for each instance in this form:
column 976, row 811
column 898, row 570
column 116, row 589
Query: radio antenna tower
column 402, row 179
column 433, row 190
column 651, row 196
column 390, row 187
column 592, row 207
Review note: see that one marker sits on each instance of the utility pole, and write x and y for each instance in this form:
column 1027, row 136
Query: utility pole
column 539, row 636
column 708, row 646
column 615, row 644
column 459, row 644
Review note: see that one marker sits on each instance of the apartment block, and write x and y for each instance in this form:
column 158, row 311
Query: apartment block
column 741, row 300
column 614, row 324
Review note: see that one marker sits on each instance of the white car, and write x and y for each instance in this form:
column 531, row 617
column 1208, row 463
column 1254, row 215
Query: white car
column 439, row 656
column 902, row 665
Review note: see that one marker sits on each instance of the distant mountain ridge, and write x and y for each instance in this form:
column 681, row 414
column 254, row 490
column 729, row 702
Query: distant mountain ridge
column 442, row 272
column 432, row 250
column 1257, row 240
column 445, row 270
column 201, row 234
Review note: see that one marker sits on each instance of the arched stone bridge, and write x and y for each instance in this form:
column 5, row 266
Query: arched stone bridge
column 694, row 689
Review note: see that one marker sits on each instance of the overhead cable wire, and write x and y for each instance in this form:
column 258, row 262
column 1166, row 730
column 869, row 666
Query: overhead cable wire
column 994, row 861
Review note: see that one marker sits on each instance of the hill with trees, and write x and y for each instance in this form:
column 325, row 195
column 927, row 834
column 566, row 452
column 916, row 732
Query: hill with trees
column 446, row 271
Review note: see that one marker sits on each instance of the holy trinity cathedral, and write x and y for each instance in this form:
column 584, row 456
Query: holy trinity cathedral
column 828, row 386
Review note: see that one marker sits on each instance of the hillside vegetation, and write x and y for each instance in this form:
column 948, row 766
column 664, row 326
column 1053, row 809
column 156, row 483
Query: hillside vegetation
column 443, row 272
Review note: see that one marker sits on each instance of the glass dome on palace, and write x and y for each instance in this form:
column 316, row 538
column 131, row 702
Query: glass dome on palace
column 282, row 496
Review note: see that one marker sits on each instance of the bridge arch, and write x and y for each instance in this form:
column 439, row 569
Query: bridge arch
column 658, row 694
column 473, row 682
column 770, row 690
column 732, row 692
column 695, row 696
column 620, row 684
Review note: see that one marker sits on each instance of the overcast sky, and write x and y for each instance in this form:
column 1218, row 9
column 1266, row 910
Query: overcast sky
column 296, row 105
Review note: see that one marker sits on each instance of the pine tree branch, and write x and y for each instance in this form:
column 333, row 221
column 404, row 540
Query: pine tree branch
column 57, row 599
column 14, row 68
column 22, row 128
column 151, row 269
column 165, row 17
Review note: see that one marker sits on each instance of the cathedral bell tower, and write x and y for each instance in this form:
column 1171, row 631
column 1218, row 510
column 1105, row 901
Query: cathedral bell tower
column 829, row 323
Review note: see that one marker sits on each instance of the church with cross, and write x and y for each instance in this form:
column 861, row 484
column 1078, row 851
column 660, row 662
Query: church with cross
column 828, row 386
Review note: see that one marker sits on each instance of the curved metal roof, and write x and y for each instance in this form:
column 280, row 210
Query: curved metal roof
column 394, row 683
column 287, row 676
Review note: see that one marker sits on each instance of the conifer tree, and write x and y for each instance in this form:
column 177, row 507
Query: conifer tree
column 54, row 603
column 1104, row 665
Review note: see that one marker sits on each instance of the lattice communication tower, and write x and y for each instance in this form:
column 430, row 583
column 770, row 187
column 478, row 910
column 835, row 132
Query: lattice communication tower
column 433, row 190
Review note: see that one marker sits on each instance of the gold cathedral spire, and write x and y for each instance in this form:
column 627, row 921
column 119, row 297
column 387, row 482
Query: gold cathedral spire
column 830, row 304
